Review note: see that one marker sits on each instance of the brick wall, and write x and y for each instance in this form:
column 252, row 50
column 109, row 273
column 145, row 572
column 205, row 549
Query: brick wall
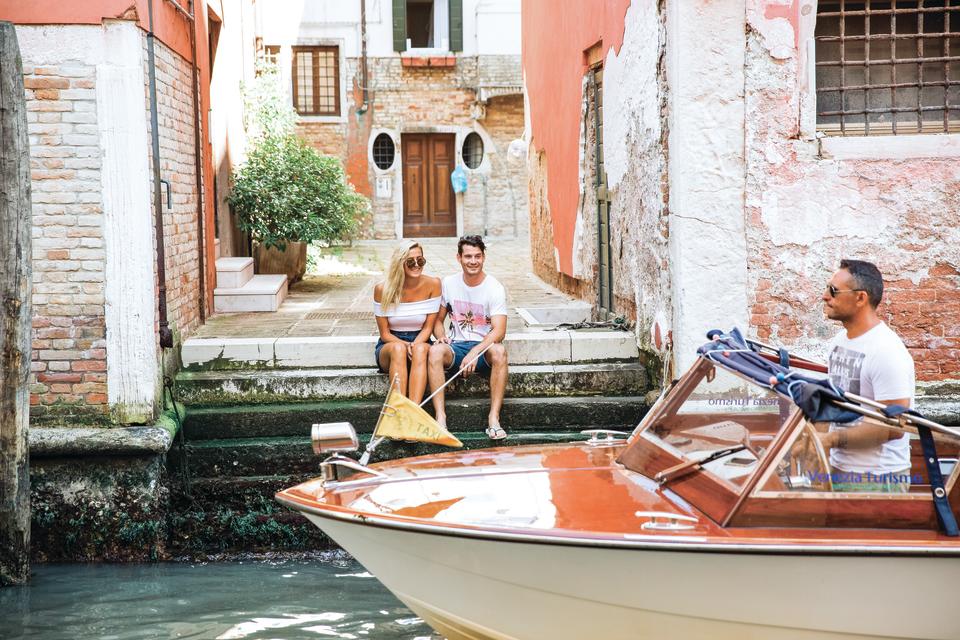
column 806, row 211
column 69, row 359
column 431, row 99
column 69, row 356
column 175, row 116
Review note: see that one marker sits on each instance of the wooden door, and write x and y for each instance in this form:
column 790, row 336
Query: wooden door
column 429, row 204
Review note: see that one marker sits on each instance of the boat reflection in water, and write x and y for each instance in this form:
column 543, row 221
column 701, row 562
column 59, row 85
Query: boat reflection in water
column 716, row 518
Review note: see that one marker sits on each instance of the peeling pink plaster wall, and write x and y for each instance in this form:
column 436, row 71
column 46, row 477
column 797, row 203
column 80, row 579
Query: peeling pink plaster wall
column 805, row 212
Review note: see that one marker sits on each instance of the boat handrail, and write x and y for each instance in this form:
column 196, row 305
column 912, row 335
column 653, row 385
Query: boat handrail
column 600, row 437
column 329, row 467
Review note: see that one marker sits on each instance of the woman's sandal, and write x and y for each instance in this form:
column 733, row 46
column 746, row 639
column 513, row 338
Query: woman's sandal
column 496, row 433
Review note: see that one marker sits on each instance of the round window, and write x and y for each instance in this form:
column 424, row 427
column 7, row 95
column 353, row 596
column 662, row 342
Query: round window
column 473, row 150
column 384, row 151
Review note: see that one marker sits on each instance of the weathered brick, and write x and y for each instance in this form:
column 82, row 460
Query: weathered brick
column 60, row 377
column 89, row 365
column 96, row 398
column 45, row 83
column 48, row 94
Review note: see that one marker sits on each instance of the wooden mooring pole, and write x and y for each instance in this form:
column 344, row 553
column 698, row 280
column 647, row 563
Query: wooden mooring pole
column 15, row 308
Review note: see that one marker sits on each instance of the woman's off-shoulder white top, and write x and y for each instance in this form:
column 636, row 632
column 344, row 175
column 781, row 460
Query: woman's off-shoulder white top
column 408, row 316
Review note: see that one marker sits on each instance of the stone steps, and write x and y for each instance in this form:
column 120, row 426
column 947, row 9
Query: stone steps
column 258, row 421
column 232, row 388
column 345, row 352
column 239, row 290
column 251, row 402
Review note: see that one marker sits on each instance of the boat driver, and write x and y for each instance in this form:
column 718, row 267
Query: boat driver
column 867, row 359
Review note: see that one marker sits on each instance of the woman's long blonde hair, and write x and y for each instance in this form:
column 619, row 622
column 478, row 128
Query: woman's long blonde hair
column 393, row 283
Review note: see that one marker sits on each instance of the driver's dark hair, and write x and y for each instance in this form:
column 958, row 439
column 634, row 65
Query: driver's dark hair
column 867, row 277
column 473, row 241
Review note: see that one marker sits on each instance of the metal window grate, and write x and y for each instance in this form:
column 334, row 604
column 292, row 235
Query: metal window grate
column 384, row 151
column 316, row 80
column 887, row 67
column 472, row 150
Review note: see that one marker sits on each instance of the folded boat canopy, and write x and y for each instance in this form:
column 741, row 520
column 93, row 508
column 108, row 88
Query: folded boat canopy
column 822, row 401
column 816, row 397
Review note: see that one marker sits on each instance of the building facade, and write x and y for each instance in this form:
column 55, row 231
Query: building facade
column 701, row 165
column 405, row 92
column 112, row 297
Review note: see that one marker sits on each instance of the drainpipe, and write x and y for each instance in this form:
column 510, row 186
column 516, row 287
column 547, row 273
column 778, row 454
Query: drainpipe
column 363, row 55
column 190, row 15
column 166, row 335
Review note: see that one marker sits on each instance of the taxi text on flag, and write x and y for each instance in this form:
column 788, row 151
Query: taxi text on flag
column 402, row 419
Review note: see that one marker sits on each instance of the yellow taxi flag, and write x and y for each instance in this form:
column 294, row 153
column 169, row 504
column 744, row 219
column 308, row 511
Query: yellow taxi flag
column 402, row 419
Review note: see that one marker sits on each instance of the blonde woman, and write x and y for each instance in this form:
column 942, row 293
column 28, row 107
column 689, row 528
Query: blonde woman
column 406, row 305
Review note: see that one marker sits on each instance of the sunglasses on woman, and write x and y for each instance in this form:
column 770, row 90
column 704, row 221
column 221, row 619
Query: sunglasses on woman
column 415, row 262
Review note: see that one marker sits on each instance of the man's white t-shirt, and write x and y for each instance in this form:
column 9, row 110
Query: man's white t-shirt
column 877, row 366
column 471, row 309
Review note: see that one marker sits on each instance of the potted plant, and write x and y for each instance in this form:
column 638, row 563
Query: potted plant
column 286, row 194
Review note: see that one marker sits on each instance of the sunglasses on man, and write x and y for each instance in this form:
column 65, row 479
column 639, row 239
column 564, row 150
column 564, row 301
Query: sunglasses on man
column 415, row 262
column 833, row 291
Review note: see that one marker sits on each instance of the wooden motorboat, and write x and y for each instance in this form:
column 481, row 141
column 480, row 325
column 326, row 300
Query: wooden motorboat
column 717, row 518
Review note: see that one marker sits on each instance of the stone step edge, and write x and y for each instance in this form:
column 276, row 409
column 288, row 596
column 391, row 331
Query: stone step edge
column 468, row 434
column 274, row 386
column 233, row 272
column 332, row 374
column 233, row 263
column 258, row 285
column 535, row 347
column 202, row 410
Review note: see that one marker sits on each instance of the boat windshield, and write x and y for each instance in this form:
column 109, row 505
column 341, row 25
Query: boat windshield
column 726, row 423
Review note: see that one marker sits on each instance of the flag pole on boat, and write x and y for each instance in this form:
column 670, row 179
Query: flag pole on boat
column 375, row 440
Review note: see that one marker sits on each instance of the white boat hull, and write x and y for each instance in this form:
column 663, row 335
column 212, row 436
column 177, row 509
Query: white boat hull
column 475, row 588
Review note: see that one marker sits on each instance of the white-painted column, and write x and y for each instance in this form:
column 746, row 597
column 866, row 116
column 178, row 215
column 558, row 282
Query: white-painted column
column 130, row 300
column 706, row 46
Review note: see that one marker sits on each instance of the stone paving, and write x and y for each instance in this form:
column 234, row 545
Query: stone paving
column 336, row 296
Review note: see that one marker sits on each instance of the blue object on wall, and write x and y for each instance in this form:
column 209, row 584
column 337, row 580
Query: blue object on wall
column 458, row 178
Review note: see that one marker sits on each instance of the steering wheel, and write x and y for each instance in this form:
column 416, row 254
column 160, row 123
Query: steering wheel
column 806, row 459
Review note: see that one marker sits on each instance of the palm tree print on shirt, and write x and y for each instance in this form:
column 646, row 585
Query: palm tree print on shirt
column 470, row 317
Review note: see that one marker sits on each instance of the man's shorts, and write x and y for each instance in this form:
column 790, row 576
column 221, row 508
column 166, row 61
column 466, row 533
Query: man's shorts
column 460, row 351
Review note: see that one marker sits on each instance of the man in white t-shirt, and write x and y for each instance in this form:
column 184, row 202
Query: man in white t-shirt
column 867, row 359
column 477, row 307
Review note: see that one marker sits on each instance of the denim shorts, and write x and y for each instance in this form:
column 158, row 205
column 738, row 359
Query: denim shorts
column 406, row 336
column 460, row 351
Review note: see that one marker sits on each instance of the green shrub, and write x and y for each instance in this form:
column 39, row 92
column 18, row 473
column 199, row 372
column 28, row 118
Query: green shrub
column 286, row 191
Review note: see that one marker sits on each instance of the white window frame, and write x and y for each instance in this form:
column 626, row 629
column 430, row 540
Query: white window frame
column 441, row 32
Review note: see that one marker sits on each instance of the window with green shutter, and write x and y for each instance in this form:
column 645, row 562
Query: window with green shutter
column 400, row 25
column 456, row 25
column 428, row 24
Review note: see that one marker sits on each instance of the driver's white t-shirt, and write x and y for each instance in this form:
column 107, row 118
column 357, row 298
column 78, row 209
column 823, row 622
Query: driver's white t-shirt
column 877, row 366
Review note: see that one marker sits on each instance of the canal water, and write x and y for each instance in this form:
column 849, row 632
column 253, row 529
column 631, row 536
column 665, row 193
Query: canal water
column 321, row 597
